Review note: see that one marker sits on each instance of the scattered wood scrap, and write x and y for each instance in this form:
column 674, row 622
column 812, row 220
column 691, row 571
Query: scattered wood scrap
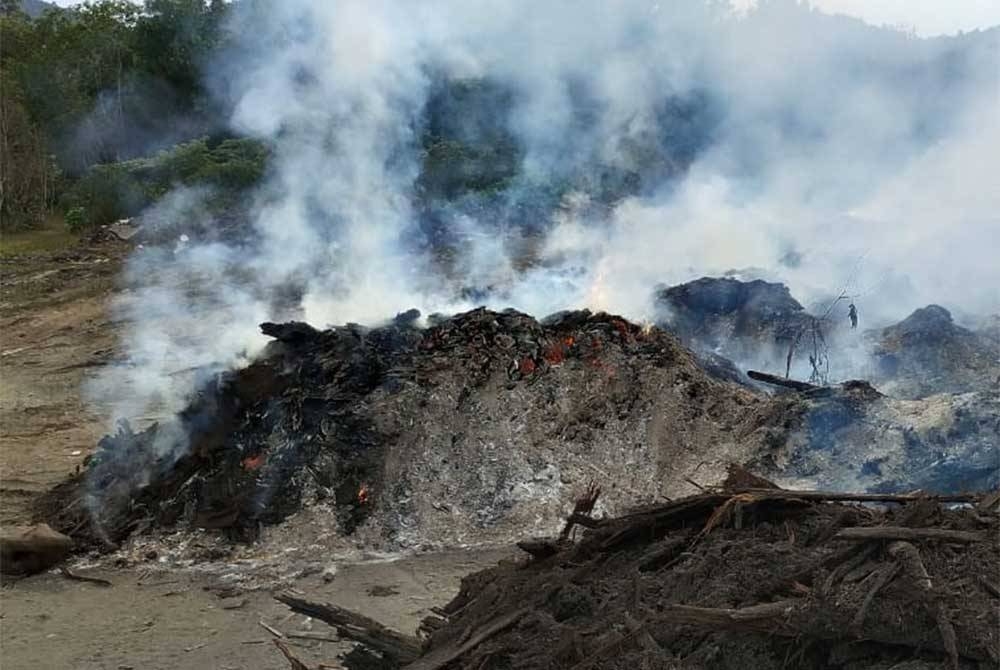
column 69, row 574
column 764, row 577
column 391, row 644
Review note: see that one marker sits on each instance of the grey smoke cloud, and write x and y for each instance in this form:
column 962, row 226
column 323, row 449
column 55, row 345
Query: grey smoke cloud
column 865, row 153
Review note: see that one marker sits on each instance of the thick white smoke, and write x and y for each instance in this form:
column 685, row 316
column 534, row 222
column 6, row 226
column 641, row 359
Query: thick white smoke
column 864, row 155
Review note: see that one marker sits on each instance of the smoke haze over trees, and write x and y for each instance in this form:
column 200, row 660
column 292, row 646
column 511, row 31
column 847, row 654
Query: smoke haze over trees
column 380, row 156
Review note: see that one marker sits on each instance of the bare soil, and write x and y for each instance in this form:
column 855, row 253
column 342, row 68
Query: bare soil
column 54, row 330
column 178, row 619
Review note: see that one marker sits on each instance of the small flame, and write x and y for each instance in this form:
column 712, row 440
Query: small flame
column 647, row 328
column 363, row 494
column 556, row 352
column 252, row 463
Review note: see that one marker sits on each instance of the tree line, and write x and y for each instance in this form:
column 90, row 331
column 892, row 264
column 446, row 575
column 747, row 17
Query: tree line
column 101, row 83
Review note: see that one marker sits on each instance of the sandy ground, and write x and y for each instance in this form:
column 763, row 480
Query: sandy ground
column 55, row 330
column 182, row 620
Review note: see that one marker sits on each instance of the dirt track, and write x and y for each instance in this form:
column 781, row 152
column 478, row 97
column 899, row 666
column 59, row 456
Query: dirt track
column 55, row 329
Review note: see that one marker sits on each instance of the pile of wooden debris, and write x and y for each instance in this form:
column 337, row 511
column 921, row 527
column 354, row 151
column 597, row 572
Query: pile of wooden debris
column 744, row 576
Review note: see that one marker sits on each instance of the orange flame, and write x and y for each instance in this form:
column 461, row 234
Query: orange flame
column 251, row 463
column 363, row 494
column 556, row 352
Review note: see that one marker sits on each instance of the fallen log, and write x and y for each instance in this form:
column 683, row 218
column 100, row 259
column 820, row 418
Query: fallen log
column 703, row 505
column 399, row 647
column 908, row 534
column 781, row 381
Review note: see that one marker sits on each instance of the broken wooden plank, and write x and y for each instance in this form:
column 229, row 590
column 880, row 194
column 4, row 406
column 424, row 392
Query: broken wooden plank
column 357, row 627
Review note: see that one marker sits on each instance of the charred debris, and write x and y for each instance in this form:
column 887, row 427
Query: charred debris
column 478, row 427
column 303, row 421
column 746, row 575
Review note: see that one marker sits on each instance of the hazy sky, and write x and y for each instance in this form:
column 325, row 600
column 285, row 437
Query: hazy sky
column 927, row 17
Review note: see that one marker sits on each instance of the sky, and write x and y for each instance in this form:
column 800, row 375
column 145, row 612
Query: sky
column 925, row 17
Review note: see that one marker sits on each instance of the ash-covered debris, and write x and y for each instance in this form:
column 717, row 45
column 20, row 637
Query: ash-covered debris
column 851, row 437
column 722, row 318
column 734, row 578
column 760, row 325
column 471, row 430
column 928, row 353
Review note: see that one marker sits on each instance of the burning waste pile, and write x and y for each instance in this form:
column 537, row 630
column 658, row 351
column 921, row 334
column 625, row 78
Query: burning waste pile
column 476, row 428
column 479, row 427
column 747, row 575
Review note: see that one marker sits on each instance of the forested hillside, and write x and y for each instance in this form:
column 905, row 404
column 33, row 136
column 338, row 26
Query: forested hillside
column 99, row 83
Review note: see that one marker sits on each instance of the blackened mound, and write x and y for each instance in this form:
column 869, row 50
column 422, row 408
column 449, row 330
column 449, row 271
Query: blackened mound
column 466, row 430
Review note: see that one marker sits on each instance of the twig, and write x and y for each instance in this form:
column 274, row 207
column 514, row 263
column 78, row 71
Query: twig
column 289, row 656
column 308, row 635
column 273, row 631
column 990, row 586
column 68, row 574
column 694, row 484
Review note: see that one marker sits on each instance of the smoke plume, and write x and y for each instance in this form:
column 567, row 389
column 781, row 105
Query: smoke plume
column 652, row 142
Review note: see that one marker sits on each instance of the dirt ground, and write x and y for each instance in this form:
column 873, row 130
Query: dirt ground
column 55, row 330
column 167, row 620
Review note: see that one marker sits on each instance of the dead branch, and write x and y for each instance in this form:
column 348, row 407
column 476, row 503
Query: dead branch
column 372, row 634
column 781, row 381
column 990, row 586
column 582, row 508
column 289, row 656
column 68, row 574
column 913, row 565
column 882, row 577
column 765, row 618
column 908, row 534
column 270, row 629
column 442, row 656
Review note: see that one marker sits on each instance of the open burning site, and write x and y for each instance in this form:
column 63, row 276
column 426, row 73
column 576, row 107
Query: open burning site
column 438, row 335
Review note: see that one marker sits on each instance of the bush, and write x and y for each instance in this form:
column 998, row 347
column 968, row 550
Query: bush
column 114, row 191
column 76, row 219
column 107, row 193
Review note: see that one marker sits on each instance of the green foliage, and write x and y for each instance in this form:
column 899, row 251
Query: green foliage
column 76, row 219
column 112, row 191
column 109, row 192
column 73, row 81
